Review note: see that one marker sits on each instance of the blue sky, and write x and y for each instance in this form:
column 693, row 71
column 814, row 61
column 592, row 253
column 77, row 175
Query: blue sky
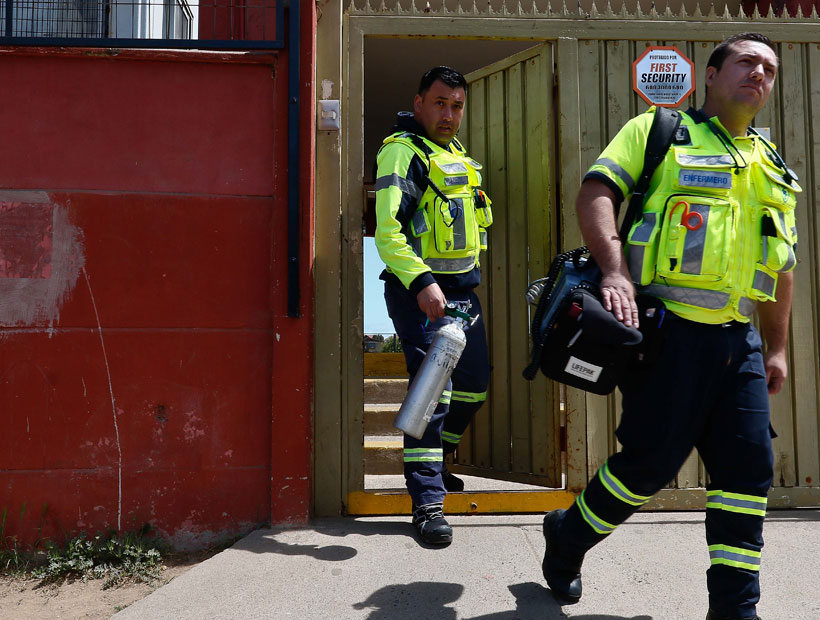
column 376, row 320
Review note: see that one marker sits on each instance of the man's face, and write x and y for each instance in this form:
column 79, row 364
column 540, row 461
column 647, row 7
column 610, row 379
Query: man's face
column 439, row 111
column 746, row 77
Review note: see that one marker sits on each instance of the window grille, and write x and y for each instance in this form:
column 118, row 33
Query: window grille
column 201, row 24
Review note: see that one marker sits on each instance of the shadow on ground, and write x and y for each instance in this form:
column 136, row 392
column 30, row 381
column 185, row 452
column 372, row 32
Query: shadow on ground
column 431, row 600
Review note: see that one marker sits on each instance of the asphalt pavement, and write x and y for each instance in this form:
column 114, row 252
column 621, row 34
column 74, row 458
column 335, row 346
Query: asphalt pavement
column 372, row 568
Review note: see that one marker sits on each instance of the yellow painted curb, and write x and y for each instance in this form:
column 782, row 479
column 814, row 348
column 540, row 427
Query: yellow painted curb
column 509, row 502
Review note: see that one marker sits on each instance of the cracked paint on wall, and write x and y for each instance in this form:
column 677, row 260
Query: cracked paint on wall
column 41, row 256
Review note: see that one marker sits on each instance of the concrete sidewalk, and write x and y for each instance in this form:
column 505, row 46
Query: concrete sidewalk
column 652, row 568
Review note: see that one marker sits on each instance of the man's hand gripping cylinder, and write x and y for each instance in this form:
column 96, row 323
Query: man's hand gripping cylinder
column 432, row 377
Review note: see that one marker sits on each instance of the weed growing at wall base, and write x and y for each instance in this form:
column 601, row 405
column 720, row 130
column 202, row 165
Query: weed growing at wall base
column 14, row 561
column 114, row 557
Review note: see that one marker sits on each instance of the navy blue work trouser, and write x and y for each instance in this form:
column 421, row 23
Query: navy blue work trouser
column 467, row 388
column 708, row 390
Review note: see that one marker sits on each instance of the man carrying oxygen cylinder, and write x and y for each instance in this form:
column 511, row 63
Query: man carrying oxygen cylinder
column 431, row 219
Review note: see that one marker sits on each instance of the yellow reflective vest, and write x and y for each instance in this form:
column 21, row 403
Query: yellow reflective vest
column 718, row 225
column 450, row 213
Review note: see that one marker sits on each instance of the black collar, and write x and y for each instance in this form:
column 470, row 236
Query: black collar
column 406, row 122
column 696, row 115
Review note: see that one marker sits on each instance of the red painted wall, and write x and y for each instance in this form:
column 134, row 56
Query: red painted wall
column 142, row 278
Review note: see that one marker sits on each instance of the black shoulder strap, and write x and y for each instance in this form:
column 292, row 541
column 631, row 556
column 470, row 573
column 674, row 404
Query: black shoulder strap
column 420, row 145
column 661, row 133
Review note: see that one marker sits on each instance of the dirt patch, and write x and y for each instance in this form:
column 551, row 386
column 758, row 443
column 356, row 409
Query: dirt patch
column 27, row 599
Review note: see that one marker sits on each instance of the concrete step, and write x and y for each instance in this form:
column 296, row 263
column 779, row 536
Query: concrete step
column 378, row 419
column 379, row 390
column 383, row 455
column 384, row 365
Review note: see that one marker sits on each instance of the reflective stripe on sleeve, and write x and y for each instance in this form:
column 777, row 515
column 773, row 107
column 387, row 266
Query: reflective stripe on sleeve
column 469, row 397
column 394, row 180
column 618, row 171
column 617, row 488
column 596, row 523
column 791, row 262
column 446, row 395
column 420, row 455
column 734, row 556
column 764, row 282
column 736, row 502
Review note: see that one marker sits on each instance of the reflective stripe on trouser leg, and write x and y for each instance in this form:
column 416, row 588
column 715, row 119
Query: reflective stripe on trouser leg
column 736, row 502
column 602, row 506
column 594, row 521
column 470, row 379
column 606, row 521
column 470, row 397
column 458, row 419
column 463, row 407
column 422, row 467
column 471, row 374
column 734, row 556
column 420, row 455
column 619, row 490
column 424, row 461
column 450, row 438
column 737, row 453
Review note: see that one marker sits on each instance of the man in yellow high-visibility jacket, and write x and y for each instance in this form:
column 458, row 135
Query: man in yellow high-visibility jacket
column 431, row 219
column 715, row 242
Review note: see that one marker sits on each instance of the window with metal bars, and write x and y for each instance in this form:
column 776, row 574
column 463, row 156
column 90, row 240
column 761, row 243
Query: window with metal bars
column 203, row 24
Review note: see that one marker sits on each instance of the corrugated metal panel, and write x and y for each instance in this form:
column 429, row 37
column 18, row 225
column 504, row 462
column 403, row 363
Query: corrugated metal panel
column 509, row 128
column 609, row 102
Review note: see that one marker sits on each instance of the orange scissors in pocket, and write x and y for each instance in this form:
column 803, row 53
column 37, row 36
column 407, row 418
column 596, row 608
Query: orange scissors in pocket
column 692, row 220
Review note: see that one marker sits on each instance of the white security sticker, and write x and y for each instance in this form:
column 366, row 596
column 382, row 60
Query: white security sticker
column 583, row 369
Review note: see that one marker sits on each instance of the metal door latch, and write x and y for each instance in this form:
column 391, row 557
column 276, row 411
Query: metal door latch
column 330, row 118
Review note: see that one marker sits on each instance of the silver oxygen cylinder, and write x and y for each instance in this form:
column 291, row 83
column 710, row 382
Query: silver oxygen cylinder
column 428, row 385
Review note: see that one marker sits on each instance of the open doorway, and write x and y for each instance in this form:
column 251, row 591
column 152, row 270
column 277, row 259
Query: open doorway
column 513, row 445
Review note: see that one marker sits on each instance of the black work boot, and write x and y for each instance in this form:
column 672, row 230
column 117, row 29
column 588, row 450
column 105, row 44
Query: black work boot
column 431, row 524
column 451, row 482
column 713, row 615
column 563, row 574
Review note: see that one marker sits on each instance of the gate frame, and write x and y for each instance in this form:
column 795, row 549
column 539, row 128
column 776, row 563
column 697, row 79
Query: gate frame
column 338, row 410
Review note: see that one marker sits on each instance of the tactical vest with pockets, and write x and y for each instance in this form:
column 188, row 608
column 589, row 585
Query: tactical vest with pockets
column 448, row 229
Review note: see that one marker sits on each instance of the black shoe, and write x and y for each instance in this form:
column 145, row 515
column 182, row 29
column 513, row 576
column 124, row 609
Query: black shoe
column 713, row 615
column 563, row 574
column 431, row 524
column 451, row 482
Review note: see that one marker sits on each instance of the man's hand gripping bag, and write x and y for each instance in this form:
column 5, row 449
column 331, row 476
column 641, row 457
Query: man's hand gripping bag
column 575, row 340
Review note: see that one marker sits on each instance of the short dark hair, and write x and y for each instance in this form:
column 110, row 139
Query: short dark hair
column 722, row 50
column 449, row 76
